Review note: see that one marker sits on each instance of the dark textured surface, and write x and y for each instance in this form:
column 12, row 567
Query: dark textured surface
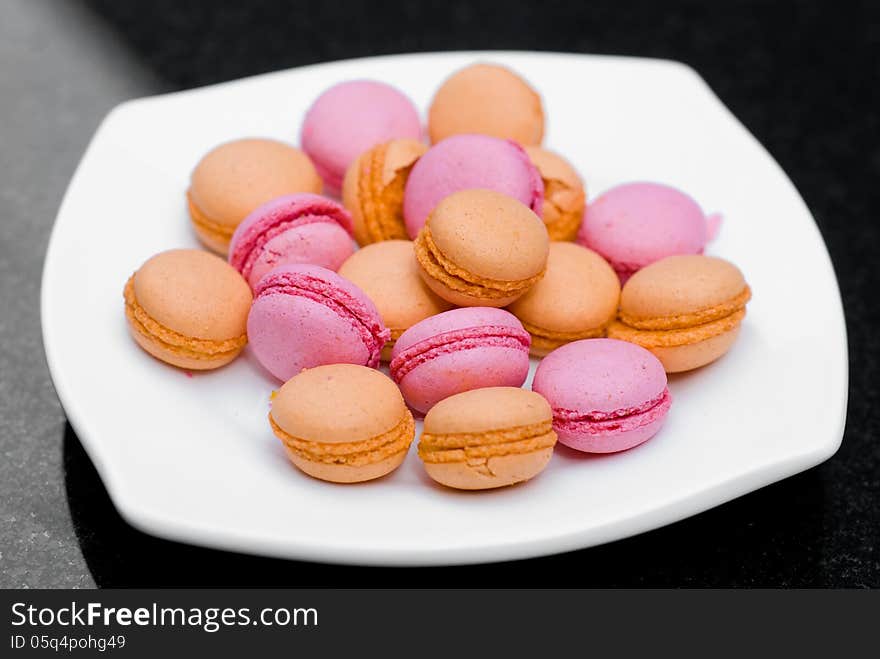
column 59, row 74
column 802, row 76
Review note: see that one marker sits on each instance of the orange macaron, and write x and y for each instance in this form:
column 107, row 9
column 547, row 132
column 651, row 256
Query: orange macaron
column 234, row 178
column 487, row 438
column 373, row 187
column 576, row 299
column 488, row 99
column 564, row 194
column 482, row 248
column 685, row 309
column 188, row 308
column 342, row 423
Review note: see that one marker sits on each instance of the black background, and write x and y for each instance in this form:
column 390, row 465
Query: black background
column 513, row 623
column 802, row 76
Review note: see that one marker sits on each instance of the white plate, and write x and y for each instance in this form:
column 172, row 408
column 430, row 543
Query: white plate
column 193, row 459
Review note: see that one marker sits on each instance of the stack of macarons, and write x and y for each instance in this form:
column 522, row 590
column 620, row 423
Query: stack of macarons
column 445, row 255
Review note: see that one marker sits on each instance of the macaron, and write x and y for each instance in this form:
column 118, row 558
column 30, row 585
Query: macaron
column 635, row 224
column 576, row 299
column 387, row 272
column 687, row 310
column 564, row 194
column 465, row 162
column 606, row 395
column 297, row 228
column 342, row 423
column 234, row 178
column 487, row 438
column 482, row 248
column 352, row 117
column 188, row 308
column 373, row 190
column 488, row 99
column 305, row 316
column 459, row 350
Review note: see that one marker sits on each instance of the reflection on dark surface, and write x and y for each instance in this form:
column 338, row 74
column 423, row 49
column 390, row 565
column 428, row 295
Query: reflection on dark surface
column 770, row 536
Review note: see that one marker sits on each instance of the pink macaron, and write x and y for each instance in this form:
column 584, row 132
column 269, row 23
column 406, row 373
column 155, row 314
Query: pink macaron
column 634, row 224
column 606, row 395
column 296, row 228
column 465, row 162
column 457, row 351
column 353, row 117
column 305, row 315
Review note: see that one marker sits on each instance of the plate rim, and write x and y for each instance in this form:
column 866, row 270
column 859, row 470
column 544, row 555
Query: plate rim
column 141, row 518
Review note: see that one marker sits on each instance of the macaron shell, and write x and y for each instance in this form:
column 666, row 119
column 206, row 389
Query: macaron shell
column 305, row 316
column 487, row 361
column 635, row 224
column 338, row 403
column 681, row 285
column 342, row 423
column 164, row 353
column 375, row 197
column 488, row 409
column 487, row 428
column 490, row 235
column 505, row 469
column 606, row 395
column 459, row 370
column 460, row 299
column 554, row 167
column 291, row 229
column 578, row 294
column 564, row 194
column 677, row 359
column 322, row 243
column 342, row 473
column 465, row 162
column 488, row 99
column 387, row 272
column 453, row 320
column 620, row 440
column 352, row 117
column 212, row 235
column 599, row 375
column 236, row 177
column 194, row 293
column 288, row 334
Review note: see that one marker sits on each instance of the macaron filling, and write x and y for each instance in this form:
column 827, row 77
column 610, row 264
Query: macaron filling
column 254, row 240
column 676, row 337
column 476, row 449
column 599, row 423
column 682, row 329
column 500, row 336
column 566, row 209
column 222, row 232
column 692, row 319
column 442, row 269
column 550, row 339
column 351, row 454
column 381, row 200
column 366, row 324
column 180, row 344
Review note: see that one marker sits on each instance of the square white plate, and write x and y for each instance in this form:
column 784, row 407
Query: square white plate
column 193, row 458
